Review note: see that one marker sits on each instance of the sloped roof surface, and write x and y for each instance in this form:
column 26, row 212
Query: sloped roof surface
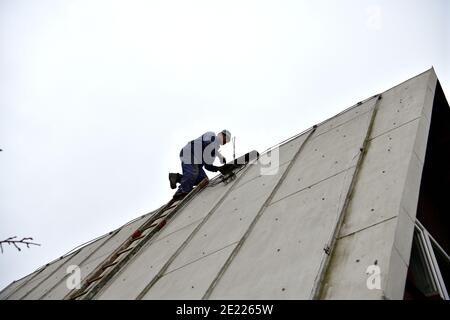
column 345, row 191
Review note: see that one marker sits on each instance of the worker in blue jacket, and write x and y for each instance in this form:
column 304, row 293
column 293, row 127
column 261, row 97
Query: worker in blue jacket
column 195, row 155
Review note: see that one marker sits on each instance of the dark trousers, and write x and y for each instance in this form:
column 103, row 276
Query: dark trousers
column 193, row 174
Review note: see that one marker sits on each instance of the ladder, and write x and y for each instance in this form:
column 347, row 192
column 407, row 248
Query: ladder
column 97, row 279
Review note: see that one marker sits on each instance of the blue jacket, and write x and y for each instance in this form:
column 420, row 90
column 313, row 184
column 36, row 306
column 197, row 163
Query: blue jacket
column 194, row 151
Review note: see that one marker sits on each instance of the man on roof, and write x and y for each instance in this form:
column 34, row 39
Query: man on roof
column 195, row 155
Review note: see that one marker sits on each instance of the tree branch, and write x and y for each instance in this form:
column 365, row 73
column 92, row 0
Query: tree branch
column 13, row 241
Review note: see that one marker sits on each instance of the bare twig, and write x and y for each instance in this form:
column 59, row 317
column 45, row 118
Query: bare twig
column 13, row 241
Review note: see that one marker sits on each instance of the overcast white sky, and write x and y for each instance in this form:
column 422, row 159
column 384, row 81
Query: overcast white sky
column 97, row 97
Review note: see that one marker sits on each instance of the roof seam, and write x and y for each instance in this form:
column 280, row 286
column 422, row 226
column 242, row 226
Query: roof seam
column 81, row 264
column 342, row 124
column 312, row 185
column 399, row 254
column 47, row 277
column 259, row 176
column 400, row 84
column 190, row 237
column 358, row 104
column 200, row 258
column 177, row 230
column 37, row 272
column 84, row 245
column 365, row 228
column 256, row 219
column 331, row 244
column 395, row 128
column 318, row 125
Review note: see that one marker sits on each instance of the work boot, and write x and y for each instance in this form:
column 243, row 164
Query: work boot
column 174, row 178
column 179, row 195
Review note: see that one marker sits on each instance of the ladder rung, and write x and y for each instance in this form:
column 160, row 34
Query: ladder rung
column 155, row 223
column 109, row 265
column 123, row 251
column 137, row 238
column 148, row 227
column 152, row 225
column 172, row 206
column 78, row 295
column 95, row 279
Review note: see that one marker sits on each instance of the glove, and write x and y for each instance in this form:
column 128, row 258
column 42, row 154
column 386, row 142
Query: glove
column 211, row 168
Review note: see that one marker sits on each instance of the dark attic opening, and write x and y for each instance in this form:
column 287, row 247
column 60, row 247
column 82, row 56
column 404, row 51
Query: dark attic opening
column 429, row 267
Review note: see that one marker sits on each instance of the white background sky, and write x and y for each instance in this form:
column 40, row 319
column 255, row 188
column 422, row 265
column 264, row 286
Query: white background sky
column 98, row 97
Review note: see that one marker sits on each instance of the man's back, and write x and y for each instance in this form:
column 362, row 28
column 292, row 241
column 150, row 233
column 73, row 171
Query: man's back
column 194, row 151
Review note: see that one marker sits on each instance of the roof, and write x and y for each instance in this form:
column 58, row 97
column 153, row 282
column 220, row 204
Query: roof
column 290, row 226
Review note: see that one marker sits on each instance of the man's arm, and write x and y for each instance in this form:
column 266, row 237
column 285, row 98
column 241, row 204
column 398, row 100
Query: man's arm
column 211, row 137
column 211, row 168
column 221, row 157
column 211, row 149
